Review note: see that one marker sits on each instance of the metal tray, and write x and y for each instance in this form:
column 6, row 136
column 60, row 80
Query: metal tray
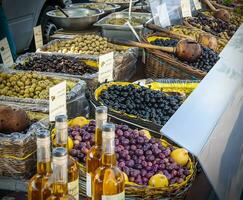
column 122, row 31
column 118, row 2
column 144, row 9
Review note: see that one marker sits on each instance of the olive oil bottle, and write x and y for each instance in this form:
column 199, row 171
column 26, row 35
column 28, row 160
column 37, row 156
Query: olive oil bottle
column 93, row 158
column 108, row 180
column 38, row 185
column 59, row 184
column 62, row 141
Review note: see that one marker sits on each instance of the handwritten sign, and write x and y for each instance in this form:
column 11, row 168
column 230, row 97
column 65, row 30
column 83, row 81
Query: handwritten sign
column 164, row 18
column 197, row 4
column 57, row 100
column 38, row 37
column 5, row 52
column 106, row 62
column 186, row 8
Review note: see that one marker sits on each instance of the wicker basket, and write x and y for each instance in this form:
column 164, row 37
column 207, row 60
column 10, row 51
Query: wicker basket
column 134, row 191
column 230, row 8
column 143, row 123
column 164, row 65
column 195, row 34
column 18, row 151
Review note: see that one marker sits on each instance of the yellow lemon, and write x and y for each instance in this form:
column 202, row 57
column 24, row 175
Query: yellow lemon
column 70, row 143
column 158, row 180
column 146, row 133
column 79, row 121
column 180, row 156
column 125, row 177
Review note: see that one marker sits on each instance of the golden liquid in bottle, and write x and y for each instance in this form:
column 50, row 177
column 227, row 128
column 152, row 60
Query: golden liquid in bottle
column 108, row 180
column 38, row 188
column 73, row 171
column 93, row 160
column 60, row 191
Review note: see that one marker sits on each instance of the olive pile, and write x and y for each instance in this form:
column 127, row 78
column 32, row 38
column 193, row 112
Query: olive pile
column 55, row 64
column 84, row 44
column 195, row 34
column 235, row 19
column 143, row 102
column 26, row 85
column 138, row 156
column 205, row 62
column 213, row 25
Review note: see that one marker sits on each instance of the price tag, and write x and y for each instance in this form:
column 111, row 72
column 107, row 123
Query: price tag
column 38, row 37
column 5, row 52
column 57, row 100
column 164, row 18
column 106, row 67
column 197, row 4
column 186, row 8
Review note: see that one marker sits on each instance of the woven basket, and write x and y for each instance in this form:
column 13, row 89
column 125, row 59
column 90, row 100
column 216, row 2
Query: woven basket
column 147, row 124
column 18, row 151
column 236, row 6
column 134, row 191
column 164, row 65
column 195, row 34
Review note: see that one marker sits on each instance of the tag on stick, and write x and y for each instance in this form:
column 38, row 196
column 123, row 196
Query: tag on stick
column 6, row 52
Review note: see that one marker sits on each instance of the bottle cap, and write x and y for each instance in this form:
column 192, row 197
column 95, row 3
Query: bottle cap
column 61, row 118
column 101, row 109
column 108, row 127
column 43, row 134
column 59, row 152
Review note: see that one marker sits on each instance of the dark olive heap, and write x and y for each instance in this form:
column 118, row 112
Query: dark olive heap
column 143, row 102
column 213, row 25
column 138, row 156
column 57, row 64
column 205, row 62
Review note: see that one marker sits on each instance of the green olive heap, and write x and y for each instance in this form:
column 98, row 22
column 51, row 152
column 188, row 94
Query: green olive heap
column 84, row 44
column 26, row 85
column 143, row 102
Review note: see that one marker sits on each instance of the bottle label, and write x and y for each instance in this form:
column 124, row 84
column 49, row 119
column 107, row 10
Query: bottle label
column 73, row 189
column 120, row 196
column 88, row 185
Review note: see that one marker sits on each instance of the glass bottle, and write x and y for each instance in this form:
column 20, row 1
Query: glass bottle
column 59, row 184
column 62, row 141
column 93, row 158
column 38, row 185
column 108, row 181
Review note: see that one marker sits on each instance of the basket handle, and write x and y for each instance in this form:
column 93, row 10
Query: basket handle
column 142, row 45
column 210, row 5
column 159, row 29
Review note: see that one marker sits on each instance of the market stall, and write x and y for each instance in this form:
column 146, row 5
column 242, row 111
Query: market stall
column 164, row 80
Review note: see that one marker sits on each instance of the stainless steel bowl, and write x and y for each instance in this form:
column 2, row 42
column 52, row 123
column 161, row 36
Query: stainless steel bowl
column 79, row 18
column 101, row 6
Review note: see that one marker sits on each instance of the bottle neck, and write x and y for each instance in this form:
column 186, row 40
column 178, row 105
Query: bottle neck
column 43, row 156
column 61, row 137
column 109, row 159
column 98, row 137
column 108, row 151
column 60, row 176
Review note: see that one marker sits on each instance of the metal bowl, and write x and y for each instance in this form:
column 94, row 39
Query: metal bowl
column 79, row 18
column 107, row 7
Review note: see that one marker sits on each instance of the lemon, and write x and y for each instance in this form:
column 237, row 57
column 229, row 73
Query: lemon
column 146, row 133
column 79, row 121
column 158, row 180
column 125, row 177
column 180, row 156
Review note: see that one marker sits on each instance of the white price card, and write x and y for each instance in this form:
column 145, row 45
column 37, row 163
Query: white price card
column 38, row 37
column 106, row 62
column 197, row 4
column 164, row 18
column 5, row 52
column 57, row 100
column 186, row 8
